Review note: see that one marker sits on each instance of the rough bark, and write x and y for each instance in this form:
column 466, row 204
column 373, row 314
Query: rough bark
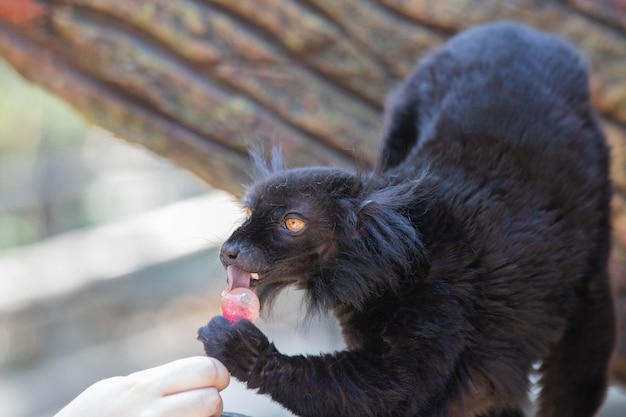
column 200, row 81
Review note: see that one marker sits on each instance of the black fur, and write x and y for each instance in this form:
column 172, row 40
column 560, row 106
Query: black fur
column 478, row 249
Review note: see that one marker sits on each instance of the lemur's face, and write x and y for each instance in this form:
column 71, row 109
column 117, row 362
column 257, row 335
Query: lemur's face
column 293, row 218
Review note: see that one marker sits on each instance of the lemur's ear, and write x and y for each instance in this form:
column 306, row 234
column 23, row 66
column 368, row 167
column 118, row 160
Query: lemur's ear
column 385, row 213
column 384, row 225
column 395, row 198
column 266, row 163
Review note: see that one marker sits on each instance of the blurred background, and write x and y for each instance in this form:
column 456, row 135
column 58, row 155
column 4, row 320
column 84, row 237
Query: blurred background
column 108, row 261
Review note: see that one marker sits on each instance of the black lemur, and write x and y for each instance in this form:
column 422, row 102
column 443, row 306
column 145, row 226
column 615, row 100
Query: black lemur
column 476, row 251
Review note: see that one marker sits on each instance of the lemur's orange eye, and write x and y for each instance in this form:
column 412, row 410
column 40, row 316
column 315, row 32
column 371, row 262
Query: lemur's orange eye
column 248, row 212
column 294, row 225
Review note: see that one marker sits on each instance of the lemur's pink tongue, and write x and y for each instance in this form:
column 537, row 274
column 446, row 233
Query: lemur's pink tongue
column 238, row 301
column 237, row 278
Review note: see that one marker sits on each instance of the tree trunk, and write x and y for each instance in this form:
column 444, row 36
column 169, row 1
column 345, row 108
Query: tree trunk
column 199, row 82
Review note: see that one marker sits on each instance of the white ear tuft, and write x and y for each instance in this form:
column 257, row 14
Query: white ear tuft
column 264, row 164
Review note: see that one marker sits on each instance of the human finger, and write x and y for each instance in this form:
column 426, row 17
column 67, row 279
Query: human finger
column 186, row 374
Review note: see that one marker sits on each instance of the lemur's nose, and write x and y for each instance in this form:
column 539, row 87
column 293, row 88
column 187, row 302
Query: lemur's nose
column 229, row 252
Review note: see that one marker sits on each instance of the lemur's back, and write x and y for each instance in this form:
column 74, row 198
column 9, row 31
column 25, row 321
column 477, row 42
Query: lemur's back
column 499, row 122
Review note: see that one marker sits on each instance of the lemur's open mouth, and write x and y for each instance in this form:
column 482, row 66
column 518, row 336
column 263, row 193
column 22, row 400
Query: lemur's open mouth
column 238, row 301
column 238, row 278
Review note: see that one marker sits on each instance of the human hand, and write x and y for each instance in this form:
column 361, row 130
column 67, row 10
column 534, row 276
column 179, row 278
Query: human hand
column 184, row 388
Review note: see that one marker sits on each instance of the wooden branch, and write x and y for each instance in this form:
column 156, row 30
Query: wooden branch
column 200, row 81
